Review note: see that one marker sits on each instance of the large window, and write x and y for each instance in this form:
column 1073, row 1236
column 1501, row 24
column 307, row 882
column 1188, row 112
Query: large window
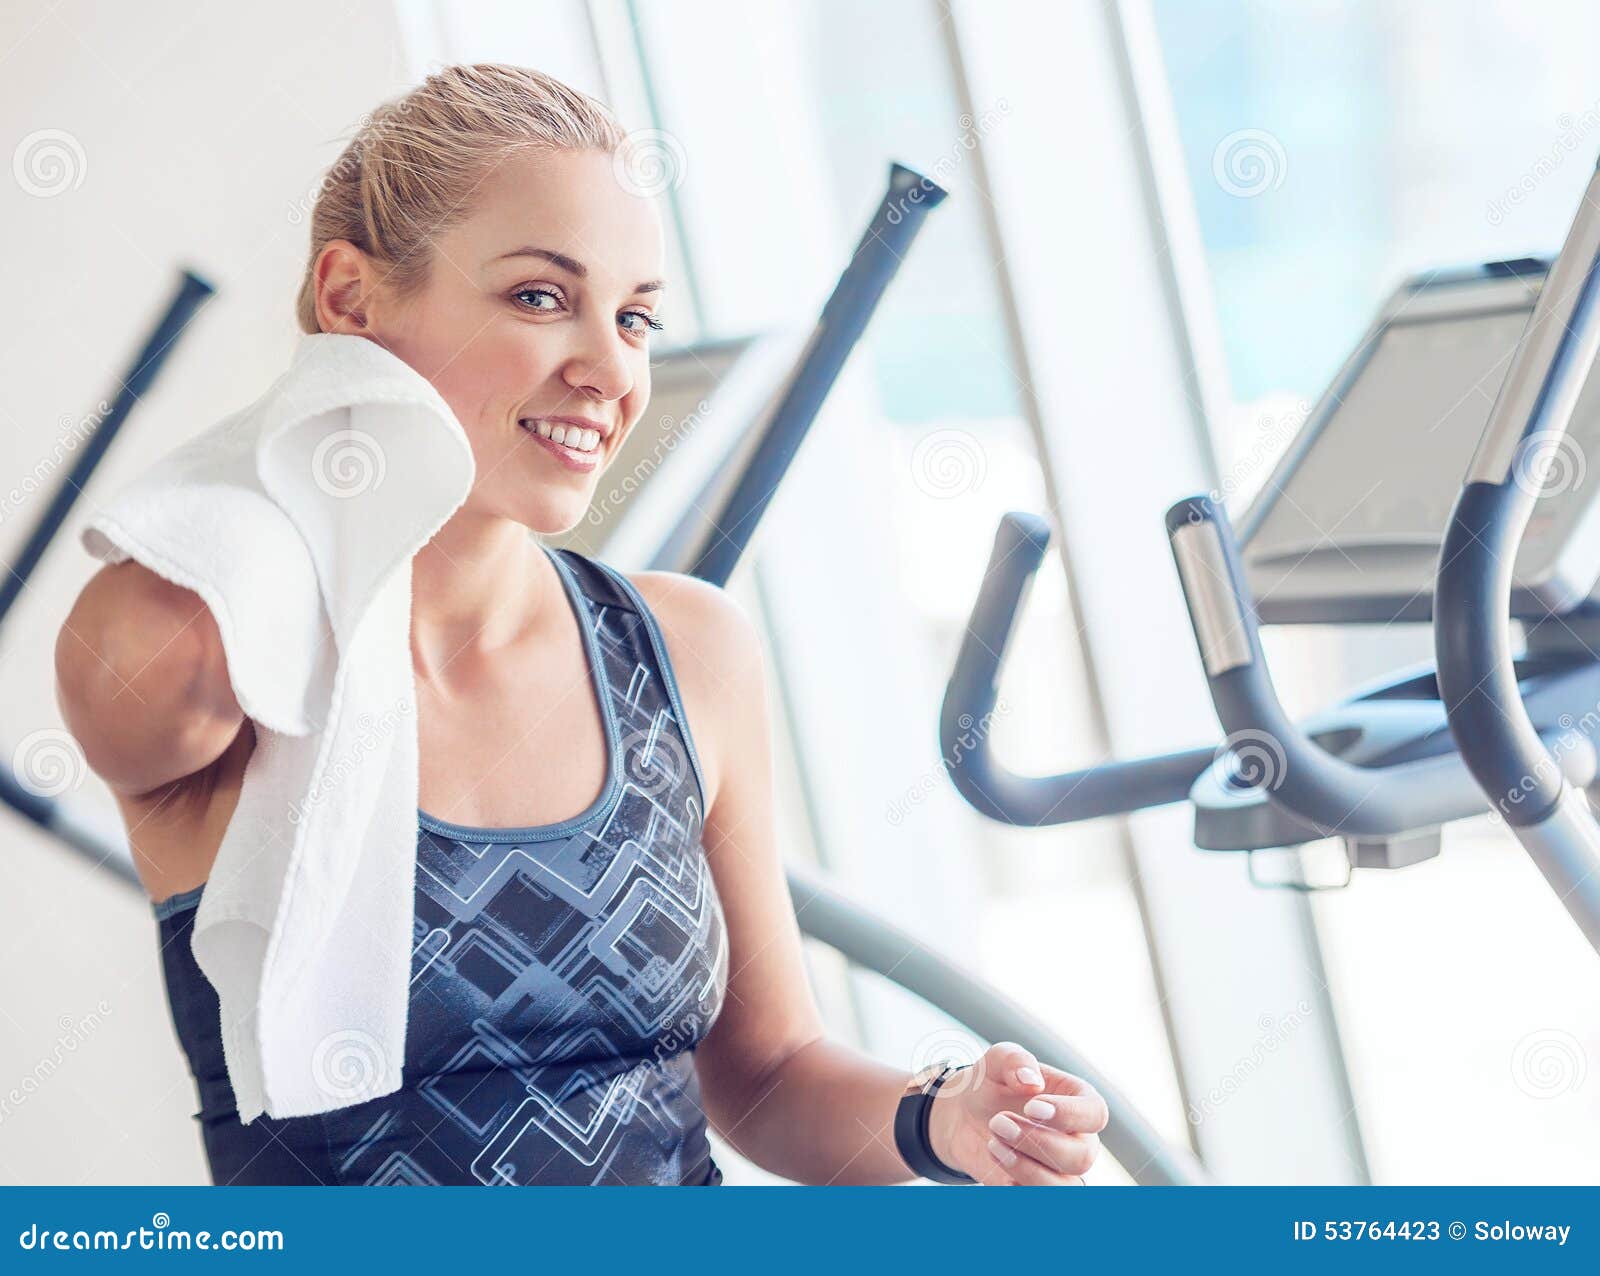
column 1335, row 148
column 784, row 119
column 1332, row 149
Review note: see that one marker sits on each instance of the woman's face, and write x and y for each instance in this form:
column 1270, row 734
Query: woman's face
column 536, row 321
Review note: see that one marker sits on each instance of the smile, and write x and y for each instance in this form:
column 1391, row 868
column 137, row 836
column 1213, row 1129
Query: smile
column 576, row 438
column 576, row 447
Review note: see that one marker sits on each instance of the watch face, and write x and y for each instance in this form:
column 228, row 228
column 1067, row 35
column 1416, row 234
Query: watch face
column 924, row 1077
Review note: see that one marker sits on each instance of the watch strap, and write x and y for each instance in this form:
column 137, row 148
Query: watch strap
column 911, row 1133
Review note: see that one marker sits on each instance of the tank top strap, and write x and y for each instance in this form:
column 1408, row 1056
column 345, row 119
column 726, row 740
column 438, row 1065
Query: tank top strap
column 639, row 668
column 599, row 584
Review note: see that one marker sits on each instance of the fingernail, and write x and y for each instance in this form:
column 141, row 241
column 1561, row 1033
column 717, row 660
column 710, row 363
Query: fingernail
column 1002, row 1153
column 1029, row 1076
column 1004, row 1126
column 1038, row 1109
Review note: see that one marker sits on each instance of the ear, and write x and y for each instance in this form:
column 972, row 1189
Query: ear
column 344, row 281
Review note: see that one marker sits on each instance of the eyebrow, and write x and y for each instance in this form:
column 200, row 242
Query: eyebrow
column 572, row 266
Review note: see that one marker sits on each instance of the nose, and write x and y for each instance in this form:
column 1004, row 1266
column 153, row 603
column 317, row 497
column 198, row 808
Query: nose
column 598, row 367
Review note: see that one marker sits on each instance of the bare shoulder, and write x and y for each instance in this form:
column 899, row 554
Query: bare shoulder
column 716, row 654
column 702, row 623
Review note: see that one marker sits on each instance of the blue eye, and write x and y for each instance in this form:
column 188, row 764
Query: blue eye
column 539, row 292
column 652, row 324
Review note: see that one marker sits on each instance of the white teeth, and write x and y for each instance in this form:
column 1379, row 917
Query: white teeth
column 578, row 438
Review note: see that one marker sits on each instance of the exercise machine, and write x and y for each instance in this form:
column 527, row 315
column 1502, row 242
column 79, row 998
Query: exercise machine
column 1325, row 543
column 1484, row 371
column 1497, row 514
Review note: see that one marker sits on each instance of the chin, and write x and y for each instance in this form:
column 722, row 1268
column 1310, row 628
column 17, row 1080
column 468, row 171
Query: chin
column 549, row 520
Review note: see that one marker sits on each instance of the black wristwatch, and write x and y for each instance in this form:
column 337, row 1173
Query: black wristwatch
column 911, row 1124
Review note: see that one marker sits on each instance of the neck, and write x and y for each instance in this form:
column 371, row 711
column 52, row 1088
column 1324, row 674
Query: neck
column 480, row 584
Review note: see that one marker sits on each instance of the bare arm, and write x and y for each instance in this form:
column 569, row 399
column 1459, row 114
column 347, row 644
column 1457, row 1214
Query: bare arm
column 142, row 681
column 773, row 1085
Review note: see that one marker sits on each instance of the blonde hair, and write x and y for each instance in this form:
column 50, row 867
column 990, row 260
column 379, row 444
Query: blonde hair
column 408, row 173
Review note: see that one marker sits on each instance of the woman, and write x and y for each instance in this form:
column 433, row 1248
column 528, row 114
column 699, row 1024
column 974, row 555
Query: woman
column 477, row 229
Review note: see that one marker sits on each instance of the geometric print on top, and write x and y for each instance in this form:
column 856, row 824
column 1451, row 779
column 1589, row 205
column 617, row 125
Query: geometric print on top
column 561, row 975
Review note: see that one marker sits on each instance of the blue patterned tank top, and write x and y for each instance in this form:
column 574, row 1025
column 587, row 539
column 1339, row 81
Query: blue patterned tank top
column 561, row 976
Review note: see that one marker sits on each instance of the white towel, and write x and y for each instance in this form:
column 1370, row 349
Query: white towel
column 296, row 520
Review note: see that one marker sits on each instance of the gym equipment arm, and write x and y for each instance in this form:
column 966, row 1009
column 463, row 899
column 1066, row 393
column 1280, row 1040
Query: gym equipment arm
column 1514, row 766
column 1303, row 777
column 1113, row 788
column 844, row 318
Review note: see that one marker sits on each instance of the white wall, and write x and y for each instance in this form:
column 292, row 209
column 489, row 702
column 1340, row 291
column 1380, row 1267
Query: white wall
column 193, row 137
column 199, row 129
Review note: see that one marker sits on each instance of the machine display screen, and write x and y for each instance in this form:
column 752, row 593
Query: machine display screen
column 1365, row 505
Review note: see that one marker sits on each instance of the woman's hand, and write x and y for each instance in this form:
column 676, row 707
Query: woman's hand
column 1009, row 1120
